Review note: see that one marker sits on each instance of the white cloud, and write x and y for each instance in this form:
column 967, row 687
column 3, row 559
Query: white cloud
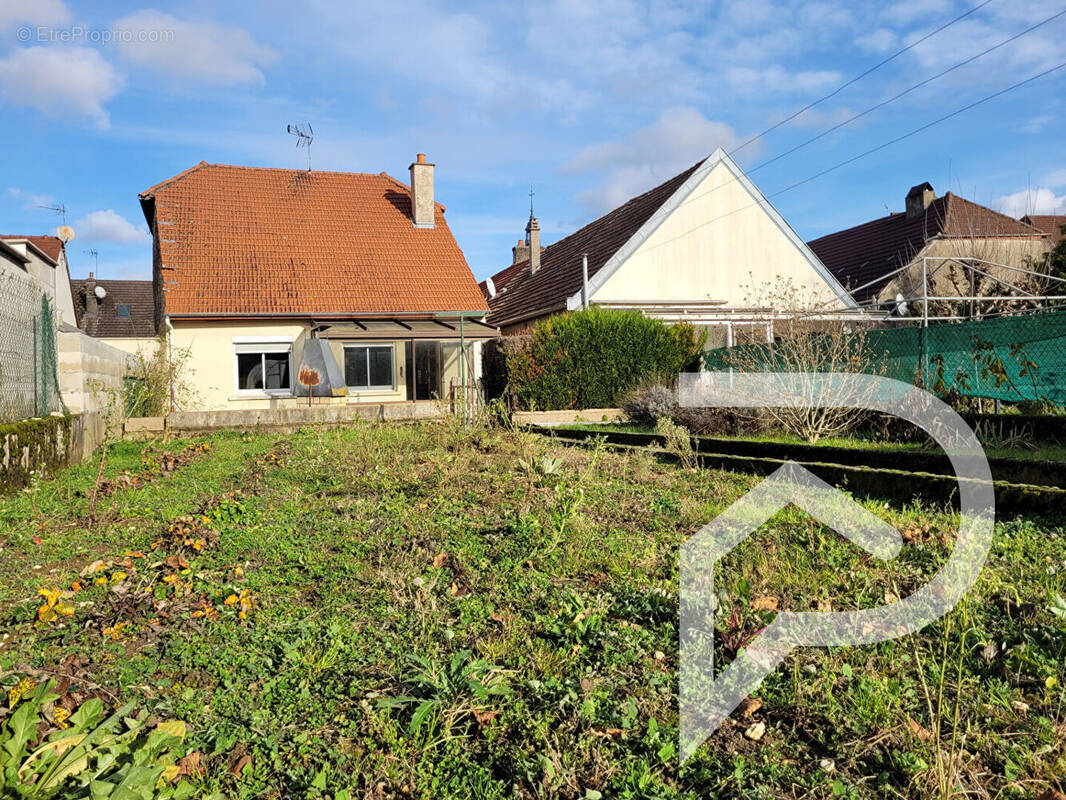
column 201, row 51
column 778, row 79
column 60, row 81
column 1036, row 124
column 1031, row 201
column 879, row 41
column 109, row 226
column 33, row 12
column 679, row 138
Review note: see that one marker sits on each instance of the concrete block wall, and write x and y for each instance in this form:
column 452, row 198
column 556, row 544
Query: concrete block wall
column 90, row 371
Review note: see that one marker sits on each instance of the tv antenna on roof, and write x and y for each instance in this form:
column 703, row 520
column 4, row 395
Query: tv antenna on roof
column 531, row 201
column 96, row 258
column 303, row 138
column 60, row 209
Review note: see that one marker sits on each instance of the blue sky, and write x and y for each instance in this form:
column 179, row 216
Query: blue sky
column 592, row 101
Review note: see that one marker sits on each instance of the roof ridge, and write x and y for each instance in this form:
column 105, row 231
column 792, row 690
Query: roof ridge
column 152, row 190
column 603, row 216
column 988, row 209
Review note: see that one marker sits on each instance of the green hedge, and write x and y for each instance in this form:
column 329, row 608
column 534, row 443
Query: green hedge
column 589, row 359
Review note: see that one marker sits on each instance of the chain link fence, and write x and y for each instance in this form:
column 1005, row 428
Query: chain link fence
column 29, row 381
column 1015, row 359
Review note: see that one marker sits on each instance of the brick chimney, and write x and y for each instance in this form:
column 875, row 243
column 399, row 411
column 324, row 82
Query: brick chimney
column 422, row 192
column 520, row 252
column 91, row 303
column 918, row 199
column 533, row 237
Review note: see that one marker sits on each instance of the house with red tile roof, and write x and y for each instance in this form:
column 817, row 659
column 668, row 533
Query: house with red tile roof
column 698, row 247
column 952, row 246
column 43, row 258
column 1052, row 225
column 259, row 273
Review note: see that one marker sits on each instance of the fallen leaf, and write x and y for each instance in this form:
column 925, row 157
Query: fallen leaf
column 764, row 604
column 586, row 685
column 755, row 731
column 1051, row 794
column 440, row 560
column 918, row 731
column 190, row 764
column 750, row 705
column 485, row 717
column 237, row 767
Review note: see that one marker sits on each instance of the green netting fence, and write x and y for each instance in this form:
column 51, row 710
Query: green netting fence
column 1013, row 359
column 29, row 381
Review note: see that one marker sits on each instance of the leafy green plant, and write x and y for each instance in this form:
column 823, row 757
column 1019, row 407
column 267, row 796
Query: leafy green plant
column 677, row 441
column 447, row 694
column 92, row 755
column 588, row 359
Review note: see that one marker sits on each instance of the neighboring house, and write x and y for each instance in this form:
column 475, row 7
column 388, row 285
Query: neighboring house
column 884, row 259
column 44, row 258
column 118, row 313
column 1051, row 225
column 259, row 272
column 698, row 247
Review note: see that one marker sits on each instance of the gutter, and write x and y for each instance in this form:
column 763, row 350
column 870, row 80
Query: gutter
column 170, row 358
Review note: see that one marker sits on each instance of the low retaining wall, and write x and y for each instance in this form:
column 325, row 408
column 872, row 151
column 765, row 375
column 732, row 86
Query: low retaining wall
column 566, row 417
column 895, row 485
column 38, row 447
column 287, row 420
column 1012, row 470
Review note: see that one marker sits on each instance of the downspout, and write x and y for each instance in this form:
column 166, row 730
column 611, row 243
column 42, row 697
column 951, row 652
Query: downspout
column 584, row 280
column 170, row 357
column 462, row 361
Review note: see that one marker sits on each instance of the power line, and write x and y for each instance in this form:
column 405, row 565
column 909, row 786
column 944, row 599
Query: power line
column 880, row 105
column 907, row 91
column 858, row 78
column 866, row 153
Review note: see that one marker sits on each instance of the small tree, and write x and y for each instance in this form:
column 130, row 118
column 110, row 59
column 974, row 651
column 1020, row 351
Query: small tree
column 807, row 341
column 159, row 382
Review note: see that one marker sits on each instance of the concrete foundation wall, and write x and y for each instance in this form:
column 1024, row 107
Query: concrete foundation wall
column 286, row 420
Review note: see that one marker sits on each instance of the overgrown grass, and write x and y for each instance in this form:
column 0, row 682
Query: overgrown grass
column 435, row 612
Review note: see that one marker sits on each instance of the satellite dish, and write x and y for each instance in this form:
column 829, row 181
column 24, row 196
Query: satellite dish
column 65, row 233
column 100, row 292
column 901, row 305
column 491, row 287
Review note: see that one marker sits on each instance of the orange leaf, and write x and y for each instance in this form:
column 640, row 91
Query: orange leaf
column 764, row 604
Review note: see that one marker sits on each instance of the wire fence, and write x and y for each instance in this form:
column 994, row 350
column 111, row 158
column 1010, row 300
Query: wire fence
column 1013, row 359
column 29, row 381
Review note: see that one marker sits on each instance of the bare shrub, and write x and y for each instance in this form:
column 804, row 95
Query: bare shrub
column 649, row 401
column 808, row 341
column 159, row 383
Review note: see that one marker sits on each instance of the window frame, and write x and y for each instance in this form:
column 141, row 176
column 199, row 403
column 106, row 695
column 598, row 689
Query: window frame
column 382, row 389
column 254, row 345
column 120, row 306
